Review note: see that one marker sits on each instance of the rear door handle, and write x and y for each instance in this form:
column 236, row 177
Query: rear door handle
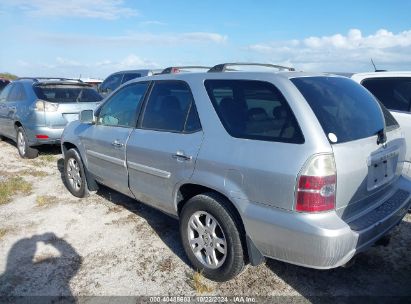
column 117, row 144
column 181, row 156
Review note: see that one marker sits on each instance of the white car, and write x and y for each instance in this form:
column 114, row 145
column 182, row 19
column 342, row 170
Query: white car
column 393, row 89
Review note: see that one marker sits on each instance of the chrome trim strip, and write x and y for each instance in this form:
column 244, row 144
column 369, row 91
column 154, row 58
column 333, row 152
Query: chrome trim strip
column 148, row 170
column 107, row 158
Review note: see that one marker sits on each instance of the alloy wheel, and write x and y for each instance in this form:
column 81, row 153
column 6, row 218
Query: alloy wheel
column 21, row 143
column 207, row 239
column 73, row 174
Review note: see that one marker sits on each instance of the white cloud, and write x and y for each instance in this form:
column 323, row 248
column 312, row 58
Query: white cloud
column 350, row 52
column 68, row 67
column 99, row 9
column 152, row 22
column 135, row 39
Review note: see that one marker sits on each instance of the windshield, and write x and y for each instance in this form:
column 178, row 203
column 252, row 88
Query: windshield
column 67, row 93
column 345, row 110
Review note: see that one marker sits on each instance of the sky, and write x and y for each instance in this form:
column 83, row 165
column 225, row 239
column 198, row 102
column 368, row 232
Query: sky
column 94, row 38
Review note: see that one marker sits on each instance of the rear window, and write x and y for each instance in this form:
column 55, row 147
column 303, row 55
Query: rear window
column 67, row 93
column 393, row 92
column 254, row 110
column 345, row 110
column 129, row 76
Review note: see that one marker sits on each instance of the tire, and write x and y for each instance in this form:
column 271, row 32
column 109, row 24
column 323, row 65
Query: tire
column 229, row 259
column 74, row 174
column 24, row 149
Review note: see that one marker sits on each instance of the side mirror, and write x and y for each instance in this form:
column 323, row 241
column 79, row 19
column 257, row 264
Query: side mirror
column 87, row 117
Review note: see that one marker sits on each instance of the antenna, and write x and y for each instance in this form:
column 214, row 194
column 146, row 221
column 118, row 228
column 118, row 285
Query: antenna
column 375, row 68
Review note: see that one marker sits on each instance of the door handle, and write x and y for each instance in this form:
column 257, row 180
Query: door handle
column 117, row 144
column 181, row 156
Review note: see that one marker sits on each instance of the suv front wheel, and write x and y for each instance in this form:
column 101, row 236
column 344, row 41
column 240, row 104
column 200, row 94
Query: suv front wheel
column 24, row 149
column 211, row 238
column 74, row 174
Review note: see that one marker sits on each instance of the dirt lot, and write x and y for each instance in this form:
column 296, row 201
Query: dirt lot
column 54, row 244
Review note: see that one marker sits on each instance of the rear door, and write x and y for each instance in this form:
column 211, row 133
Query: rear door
column 105, row 142
column 14, row 102
column 162, row 150
column 354, row 124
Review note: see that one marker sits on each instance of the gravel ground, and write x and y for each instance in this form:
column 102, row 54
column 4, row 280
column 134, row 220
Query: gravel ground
column 52, row 243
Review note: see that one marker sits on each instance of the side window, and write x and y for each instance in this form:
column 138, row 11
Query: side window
column 129, row 76
column 111, row 83
column 5, row 93
column 393, row 92
column 254, row 110
column 17, row 93
column 171, row 108
column 193, row 121
column 121, row 109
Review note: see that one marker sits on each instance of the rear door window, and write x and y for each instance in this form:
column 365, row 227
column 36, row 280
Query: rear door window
column 171, row 108
column 345, row 110
column 67, row 93
column 17, row 93
column 393, row 92
column 5, row 93
column 254, row 110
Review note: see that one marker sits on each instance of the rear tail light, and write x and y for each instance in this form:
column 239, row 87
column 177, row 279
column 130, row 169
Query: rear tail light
column 46, row 106
column 42, row 136
column 316, row 185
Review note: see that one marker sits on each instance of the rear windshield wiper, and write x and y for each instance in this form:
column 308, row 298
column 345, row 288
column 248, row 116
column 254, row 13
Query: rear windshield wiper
column 381, row 136
column 79, row 96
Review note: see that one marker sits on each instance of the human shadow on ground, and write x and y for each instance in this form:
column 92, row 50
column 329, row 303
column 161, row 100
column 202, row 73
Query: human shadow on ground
column 45, row 273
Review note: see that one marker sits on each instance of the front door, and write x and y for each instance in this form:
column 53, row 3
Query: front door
column 105, row 142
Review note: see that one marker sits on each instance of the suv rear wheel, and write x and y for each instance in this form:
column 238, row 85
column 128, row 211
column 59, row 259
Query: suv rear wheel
column 211, row 238
column 74, row 174
column 24, row 149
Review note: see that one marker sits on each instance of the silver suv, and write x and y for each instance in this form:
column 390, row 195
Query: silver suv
column 34, row 111
column 293, row 166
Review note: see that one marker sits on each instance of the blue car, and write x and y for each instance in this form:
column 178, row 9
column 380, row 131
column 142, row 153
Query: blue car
column 34, row 111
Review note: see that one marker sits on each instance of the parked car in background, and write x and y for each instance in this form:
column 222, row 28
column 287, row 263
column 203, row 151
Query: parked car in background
column 254, row 164
column 3, row 83
column 114, row 80
column 393, row 90
column 92, row 81
column 34, row 111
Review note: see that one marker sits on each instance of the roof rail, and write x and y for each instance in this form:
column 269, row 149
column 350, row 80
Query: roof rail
column 223, row 67
column 177, row 69
column 48, row 78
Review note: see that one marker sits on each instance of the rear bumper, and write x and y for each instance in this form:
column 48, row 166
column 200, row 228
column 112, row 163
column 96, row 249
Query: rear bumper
column 53, row 135
column 322, row 240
